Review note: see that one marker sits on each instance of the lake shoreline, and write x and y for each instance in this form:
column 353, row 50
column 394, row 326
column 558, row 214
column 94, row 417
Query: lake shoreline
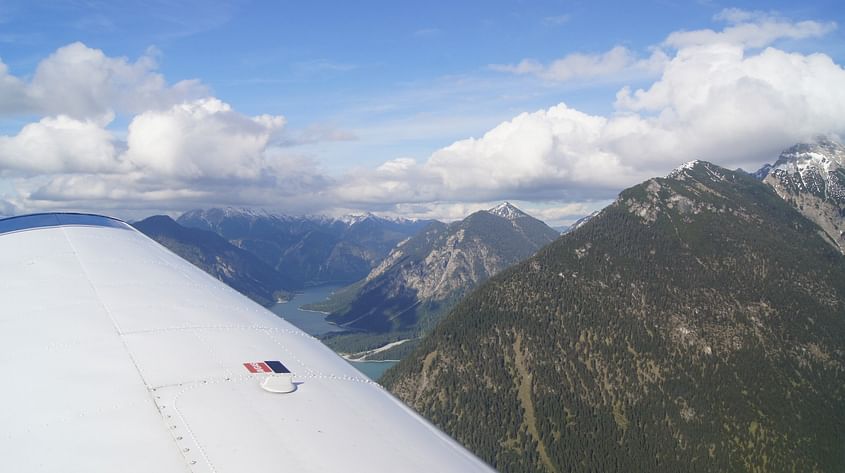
column 314, row 323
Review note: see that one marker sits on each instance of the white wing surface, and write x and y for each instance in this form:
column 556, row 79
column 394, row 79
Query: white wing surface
column 119, row 356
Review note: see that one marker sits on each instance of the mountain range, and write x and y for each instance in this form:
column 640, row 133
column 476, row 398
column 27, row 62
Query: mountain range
column 308, row 250
column 695, row 324
column 425, row 275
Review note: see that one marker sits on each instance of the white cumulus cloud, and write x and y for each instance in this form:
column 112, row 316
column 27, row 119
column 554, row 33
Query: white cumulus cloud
column 85, row 83
column 732, row 96
column 718, row 98
column 181, row 148
column 59, row 144
column 718, row 102
column 201, row 139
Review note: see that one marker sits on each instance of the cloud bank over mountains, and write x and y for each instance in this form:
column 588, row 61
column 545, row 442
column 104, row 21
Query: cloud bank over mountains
column 730, row 95
column 726, row 96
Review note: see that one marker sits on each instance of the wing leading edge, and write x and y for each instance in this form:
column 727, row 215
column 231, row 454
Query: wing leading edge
column 120, row 356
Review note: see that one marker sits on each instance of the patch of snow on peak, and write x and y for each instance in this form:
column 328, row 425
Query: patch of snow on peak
column 816, row 167
column 824, row 156
column 507, row 211
column 217, row 213
column 246, row 212
column 680, row 170
column 352, row 219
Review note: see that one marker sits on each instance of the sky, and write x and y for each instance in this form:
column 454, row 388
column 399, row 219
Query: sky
column 431, row 109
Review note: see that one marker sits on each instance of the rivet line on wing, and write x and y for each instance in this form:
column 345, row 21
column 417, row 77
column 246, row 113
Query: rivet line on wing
column 219, row 327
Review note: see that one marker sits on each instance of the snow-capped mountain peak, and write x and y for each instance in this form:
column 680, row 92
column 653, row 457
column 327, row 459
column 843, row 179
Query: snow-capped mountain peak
column 683, row 168
column 214, row 215
column 352, row 219
column 249, row 212
column 356, row 218
column 507, row 211
column 811, row 176
column 689, row 165
column 824, row 155
column 816, row 167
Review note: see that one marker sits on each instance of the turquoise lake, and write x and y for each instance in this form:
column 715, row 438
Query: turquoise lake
column 314, row 323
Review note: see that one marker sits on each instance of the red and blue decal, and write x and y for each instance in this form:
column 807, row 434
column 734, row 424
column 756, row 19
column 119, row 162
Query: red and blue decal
column 258, row 367
column 266, row 367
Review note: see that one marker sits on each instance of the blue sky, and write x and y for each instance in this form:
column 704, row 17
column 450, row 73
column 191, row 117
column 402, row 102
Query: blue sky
column 362, row 84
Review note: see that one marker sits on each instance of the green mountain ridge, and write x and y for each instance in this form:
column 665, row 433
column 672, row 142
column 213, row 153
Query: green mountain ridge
column 695, row 324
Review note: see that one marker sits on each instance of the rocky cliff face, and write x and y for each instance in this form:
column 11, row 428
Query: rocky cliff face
column 811, row 177
column 696, row 324
column 426, row 274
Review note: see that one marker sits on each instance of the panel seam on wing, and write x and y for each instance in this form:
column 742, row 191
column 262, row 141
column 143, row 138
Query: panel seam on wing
column 240, row 379
column 217, row 327
column 105, row 308
column 189, row 385
column 117, row 330
column 70, row 418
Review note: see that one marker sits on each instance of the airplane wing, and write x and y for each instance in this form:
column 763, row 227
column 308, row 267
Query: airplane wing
column 119, row 356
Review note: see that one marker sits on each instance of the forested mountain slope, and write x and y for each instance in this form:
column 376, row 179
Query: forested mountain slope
column 696, row 324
